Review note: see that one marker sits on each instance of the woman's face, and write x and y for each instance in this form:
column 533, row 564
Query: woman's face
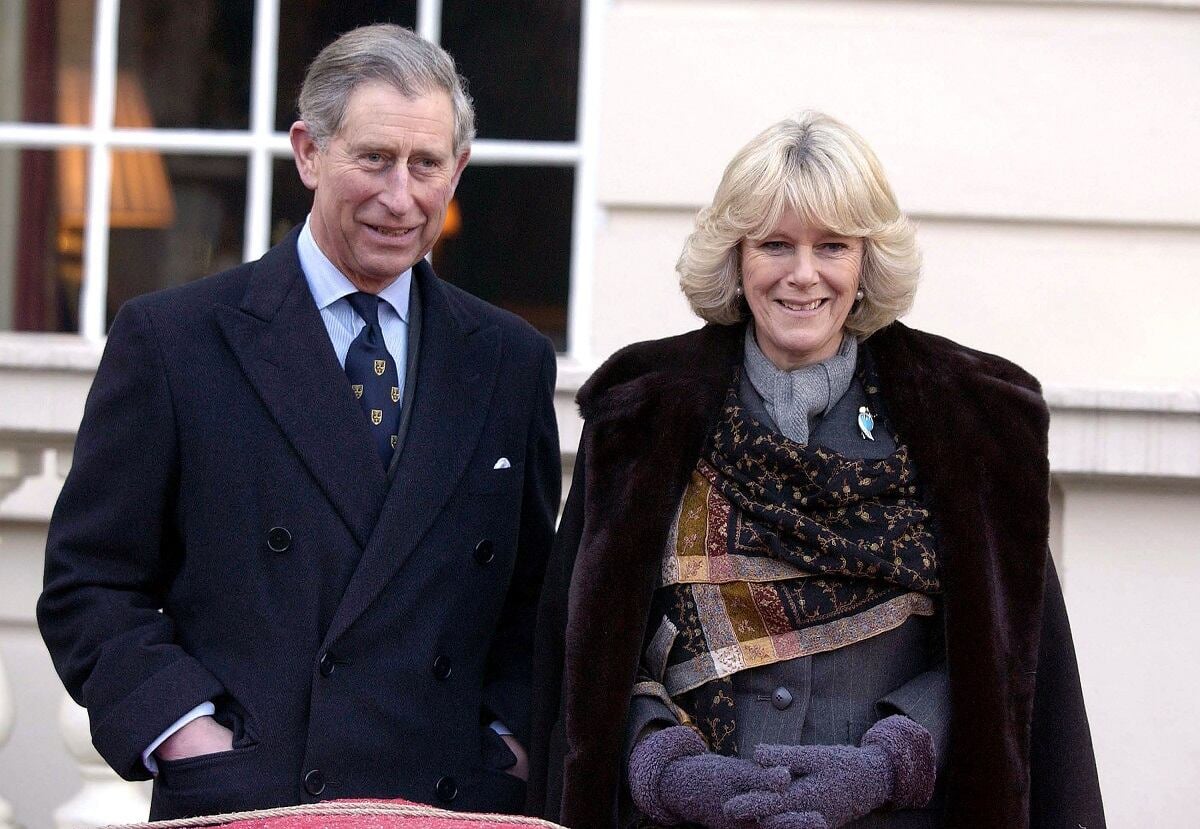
column 800, row 282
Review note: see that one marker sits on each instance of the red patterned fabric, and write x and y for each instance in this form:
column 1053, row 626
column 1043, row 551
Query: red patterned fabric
column 353, row 814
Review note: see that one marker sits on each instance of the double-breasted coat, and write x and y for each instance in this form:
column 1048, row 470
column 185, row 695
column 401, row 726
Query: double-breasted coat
column 976, row 426
column 228, row 533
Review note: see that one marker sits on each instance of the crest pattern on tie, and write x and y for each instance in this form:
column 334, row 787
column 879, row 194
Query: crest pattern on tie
column 373, row 377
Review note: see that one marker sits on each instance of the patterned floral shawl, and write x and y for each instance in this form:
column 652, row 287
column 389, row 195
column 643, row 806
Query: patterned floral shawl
column 781, row 550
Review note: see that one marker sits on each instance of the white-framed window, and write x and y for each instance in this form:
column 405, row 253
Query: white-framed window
column 143, row 143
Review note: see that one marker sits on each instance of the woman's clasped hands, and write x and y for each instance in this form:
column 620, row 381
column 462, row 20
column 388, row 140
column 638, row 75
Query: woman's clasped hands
column 674, row 778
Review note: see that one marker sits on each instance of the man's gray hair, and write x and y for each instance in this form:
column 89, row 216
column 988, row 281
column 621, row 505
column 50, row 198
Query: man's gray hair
column 381, row 52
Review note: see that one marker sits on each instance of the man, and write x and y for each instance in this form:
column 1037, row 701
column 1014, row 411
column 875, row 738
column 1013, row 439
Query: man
column 299, row 551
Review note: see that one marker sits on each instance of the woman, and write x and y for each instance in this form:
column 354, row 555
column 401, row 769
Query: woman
column 802, row 579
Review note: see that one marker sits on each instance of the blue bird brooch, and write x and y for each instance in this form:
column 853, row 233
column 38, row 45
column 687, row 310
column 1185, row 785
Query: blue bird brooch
column 866, row 422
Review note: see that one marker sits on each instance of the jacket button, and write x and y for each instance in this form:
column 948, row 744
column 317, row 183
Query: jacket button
column 314, row 782
column 326, row 664
column 484, row 553
column 446, row 789
column 442, row 670
column 279, row 539
column 781, row 698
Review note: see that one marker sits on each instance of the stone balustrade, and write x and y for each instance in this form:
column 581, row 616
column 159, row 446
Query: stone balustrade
column 105, row 798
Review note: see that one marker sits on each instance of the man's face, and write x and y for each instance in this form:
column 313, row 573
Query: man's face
column 382, row 184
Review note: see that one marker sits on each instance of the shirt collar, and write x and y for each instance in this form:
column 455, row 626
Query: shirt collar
column 327, row 284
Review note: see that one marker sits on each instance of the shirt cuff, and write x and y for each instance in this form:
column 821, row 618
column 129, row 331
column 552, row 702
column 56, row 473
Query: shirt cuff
column 204, row 709
column 500, row 728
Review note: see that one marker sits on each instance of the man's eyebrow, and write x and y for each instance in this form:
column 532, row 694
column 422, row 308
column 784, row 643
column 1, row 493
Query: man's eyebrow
column 367, row 147
column 414, row 149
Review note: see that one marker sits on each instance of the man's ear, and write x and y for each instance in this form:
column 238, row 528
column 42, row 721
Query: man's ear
column 459, row 166
column 306, row 153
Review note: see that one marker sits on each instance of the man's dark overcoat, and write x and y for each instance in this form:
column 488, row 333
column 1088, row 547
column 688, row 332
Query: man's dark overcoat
column 976, row 426
column 354, row 629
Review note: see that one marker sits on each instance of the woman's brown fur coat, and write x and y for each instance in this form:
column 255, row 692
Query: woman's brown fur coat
column 1021, row 751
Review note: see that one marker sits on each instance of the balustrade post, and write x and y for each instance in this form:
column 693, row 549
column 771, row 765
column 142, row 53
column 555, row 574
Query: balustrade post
column 17, row 464
column 7, row 716
column 105, row 798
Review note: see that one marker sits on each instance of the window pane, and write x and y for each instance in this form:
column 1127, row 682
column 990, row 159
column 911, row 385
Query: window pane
column 290, row 199
column 41, row 252
column 512, row 242
column 44, row 47
column 174, row 218
column 308, row 26
column 521, row 60
column 184, row 63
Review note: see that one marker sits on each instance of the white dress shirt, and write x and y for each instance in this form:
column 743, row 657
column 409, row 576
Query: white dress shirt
column 329, row 288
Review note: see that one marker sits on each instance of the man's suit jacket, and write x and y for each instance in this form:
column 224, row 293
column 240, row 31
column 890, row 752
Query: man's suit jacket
column 354, row 629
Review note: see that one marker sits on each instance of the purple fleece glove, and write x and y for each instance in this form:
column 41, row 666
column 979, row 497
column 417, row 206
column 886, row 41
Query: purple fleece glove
column 674, row 778
column 837, row 784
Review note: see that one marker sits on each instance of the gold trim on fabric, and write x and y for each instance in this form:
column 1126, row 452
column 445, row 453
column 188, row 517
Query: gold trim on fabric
column 695, row 528
column 728, row 655
column 659, row 648
column 741, row 568
column 657, row 691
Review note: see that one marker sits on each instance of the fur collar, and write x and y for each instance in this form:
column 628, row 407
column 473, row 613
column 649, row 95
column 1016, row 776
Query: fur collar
column 648, row 374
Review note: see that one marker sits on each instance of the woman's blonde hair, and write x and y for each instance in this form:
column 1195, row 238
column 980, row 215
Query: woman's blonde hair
column 821, row 169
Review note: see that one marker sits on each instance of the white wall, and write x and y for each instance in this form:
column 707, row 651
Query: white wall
column 1071, row 111
column 1131, row 578
column 1046, row 149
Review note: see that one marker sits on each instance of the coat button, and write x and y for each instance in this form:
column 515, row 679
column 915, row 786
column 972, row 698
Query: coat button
column 446, row 789
column 442, row 670
column 279, row 539
column 326, row 664
column 314, row 782
column 781, row 698
column 484, row 552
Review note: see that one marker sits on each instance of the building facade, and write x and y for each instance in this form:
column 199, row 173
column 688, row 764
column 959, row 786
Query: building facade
column 1045, row 148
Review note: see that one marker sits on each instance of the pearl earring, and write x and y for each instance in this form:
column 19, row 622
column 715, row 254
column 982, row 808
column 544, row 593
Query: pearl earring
column 858, row 296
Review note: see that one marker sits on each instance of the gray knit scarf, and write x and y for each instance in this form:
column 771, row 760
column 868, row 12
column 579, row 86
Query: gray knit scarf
column 794, row 399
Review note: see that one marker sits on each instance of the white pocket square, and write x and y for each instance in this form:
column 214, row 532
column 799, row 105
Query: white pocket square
column 502, row 464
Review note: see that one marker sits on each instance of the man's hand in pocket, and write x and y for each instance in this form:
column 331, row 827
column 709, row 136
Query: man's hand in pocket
column 519, row 769
column 203, row 735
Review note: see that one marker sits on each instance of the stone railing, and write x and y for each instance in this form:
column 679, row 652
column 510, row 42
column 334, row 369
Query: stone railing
column 6, row 724
column 43, row 385
column 103, row 799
